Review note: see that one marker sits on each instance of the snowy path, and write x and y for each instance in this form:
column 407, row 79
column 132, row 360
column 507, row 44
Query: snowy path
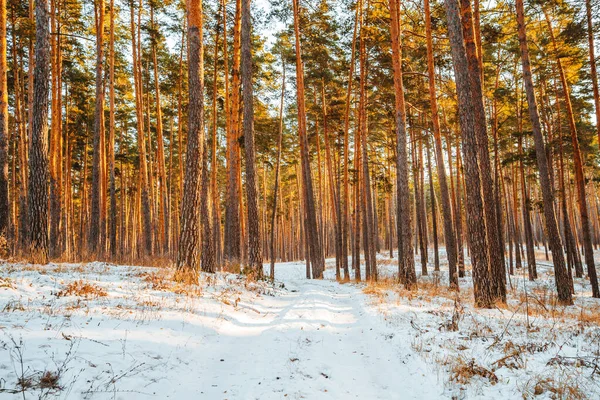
column 314, row 339
column 319, row 340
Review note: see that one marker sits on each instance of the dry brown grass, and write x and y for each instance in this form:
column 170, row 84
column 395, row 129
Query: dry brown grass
column 13, row 305
column 589, row 316
column 186, row 276
column 157, row 280
column 231, row 267
column 82, row 289
column 167, row 280
column 49, row 380
column 6, row 283
column 426, row 289
column 380, row 288
column 463, row 370
column 560, row 388
column 4, row 247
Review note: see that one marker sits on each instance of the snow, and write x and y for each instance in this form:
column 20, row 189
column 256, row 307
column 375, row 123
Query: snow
column 145, row 336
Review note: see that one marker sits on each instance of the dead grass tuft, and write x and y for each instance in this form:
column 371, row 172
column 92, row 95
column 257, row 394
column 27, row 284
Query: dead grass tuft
column 49, row 380
column 82, row 289
column 13, row 305
column 380, row 288
column 232, row 267
column 462, row 371
column 4, row 247
column 6, row 283
column 589, row 316
column 559, row 388
column 158, row 280
column 186, row 276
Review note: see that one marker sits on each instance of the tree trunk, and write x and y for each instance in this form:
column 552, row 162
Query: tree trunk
column 232, row 245
column 496, row 253
column 37, row 200
column 449, row 237
column 112, row 223
column 146, row 228
column 97, row 187
column 277, row 168
column 163, row 209
column 593, row 71
column 187, row 257
column 207, row 258
column 579, row 177
column 346, row 217
column 214, row 190
column 316, row 251
column 478, row 239
column 254, row 245
column 406, row 262
column 4, row 205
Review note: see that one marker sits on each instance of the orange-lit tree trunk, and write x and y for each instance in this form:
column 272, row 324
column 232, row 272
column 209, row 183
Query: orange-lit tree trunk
column 4, row 206
column 593, row 70
column 277, row 168
column 496, row 253
column 94, row 240
column 346, row 204
column 253, row 234
column 112, row 220
column 214, row 190
column 406, row 262
column 449, row 237
column 476, row 220
column 232, row 245
column 187, row 256
column 146, row 223
column 37, row 191
column 578, row 167
column 314, row 243
column 163, row 209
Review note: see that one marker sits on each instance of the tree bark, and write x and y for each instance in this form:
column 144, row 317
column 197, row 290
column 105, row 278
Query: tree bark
column 593, row 70
column 4, row 204
column 112, row 223
column 449, row 237
column 254, row 244
column 578, row 167
column 406, row 262
column 496, row 253
column 187, row 257
column 478, row 239
column 232, row 245
column 315, row 249
column 97, row 194
column 277, row 168
column 37, row 199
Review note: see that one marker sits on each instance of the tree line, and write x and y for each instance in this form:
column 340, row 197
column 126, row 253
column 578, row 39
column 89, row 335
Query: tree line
column 218, row 136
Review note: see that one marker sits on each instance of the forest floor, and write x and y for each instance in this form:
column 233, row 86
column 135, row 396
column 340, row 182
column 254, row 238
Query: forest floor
column 99, row 331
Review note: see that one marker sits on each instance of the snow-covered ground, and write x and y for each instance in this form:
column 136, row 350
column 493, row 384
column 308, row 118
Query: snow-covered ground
column 104, row 331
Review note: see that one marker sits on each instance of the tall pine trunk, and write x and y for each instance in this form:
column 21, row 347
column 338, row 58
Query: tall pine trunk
column 478, row 239
column 187, row 256
column 449, row 236
column 4, row 205
column 406, row 262
column 317, row 259
column 37, row 191
column 277, row 168
column 578, row 167
column 253, row 235
column 232, row 244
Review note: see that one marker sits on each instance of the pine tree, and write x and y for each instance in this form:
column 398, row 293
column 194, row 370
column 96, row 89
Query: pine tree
column 187, row 256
